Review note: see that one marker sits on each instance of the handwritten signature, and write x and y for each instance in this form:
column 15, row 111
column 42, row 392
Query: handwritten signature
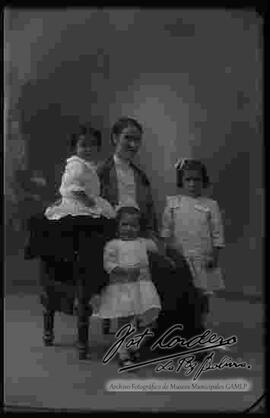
column 183, row 360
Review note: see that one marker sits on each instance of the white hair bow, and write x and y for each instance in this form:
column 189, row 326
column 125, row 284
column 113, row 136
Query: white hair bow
column 127, row 202
column 180, row 163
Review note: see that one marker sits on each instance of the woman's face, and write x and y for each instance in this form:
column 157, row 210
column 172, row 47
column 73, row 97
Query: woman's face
column 128, row 142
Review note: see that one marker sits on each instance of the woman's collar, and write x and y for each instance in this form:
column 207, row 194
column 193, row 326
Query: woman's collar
column 120, row 161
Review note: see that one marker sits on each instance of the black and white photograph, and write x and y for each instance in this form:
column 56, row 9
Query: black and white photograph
column 134, row 209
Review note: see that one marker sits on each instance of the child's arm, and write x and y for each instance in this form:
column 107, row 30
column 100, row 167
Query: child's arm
column 111, row 263
column 160, row 249
column 110, row 257
column 217, row 233
column 167, row 229
column 166, row 232
column 151, row 246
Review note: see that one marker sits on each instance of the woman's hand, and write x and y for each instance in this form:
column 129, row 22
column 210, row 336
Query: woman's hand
column 170, row 245
column 171, row 262
column 212, row 259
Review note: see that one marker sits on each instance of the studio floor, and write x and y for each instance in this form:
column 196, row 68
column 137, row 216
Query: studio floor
column 54, row 378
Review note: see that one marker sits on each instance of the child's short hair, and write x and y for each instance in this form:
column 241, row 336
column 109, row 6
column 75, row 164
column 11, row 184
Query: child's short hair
column 85, row 130
column 191, row 165
column 123, row 123
column 129, row 210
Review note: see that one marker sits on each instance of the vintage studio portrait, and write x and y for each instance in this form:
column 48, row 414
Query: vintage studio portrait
column 134, row 220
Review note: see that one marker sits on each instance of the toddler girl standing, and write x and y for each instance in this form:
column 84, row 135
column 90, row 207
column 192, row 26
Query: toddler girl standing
column 131, row 295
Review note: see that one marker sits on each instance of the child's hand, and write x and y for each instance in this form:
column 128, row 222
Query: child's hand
column 118, row 274
column 133, row 273
column 90, row 201
column 144, row 273
column 86, row 200
column 124, row 274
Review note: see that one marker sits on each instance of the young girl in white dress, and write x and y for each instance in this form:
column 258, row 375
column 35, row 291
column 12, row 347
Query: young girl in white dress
column 82, row 222
column 192, row 225
column 131, row 295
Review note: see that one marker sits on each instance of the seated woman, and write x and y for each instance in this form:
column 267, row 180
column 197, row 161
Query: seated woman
column 70, row 239
column 123, row 183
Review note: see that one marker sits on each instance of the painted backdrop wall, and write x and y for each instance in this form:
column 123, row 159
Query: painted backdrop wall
column 193, row 78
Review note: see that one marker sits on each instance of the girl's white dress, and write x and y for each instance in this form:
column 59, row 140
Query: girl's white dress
column 79, row 175
column 195, row 227
column 127, row 297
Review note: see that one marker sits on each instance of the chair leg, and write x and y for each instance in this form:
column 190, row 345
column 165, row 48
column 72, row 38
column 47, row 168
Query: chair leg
column 83, row 329
column 48, row 326
column 106, row 326
column 83, row 325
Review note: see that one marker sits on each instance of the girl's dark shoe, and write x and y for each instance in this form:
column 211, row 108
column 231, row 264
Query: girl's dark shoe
column 125, row 359
column 48, row 325
column 135, row 356
column 48, row 340
column 83, row 350
column 125, row 362
column 200, row 356
column 83, row 355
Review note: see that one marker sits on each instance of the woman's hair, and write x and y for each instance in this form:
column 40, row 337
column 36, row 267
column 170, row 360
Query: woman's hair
column 123, row 123
column 191, row 165
column 85, row 130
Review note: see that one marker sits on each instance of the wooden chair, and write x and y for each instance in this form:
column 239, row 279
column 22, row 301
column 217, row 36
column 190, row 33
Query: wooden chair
column 71, row 266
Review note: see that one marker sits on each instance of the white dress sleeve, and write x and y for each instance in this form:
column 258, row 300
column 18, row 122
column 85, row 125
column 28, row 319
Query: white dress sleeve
column 110, row 257
column 72, row 179
column 167, row 220
column 217, row 230
column 92, row 184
